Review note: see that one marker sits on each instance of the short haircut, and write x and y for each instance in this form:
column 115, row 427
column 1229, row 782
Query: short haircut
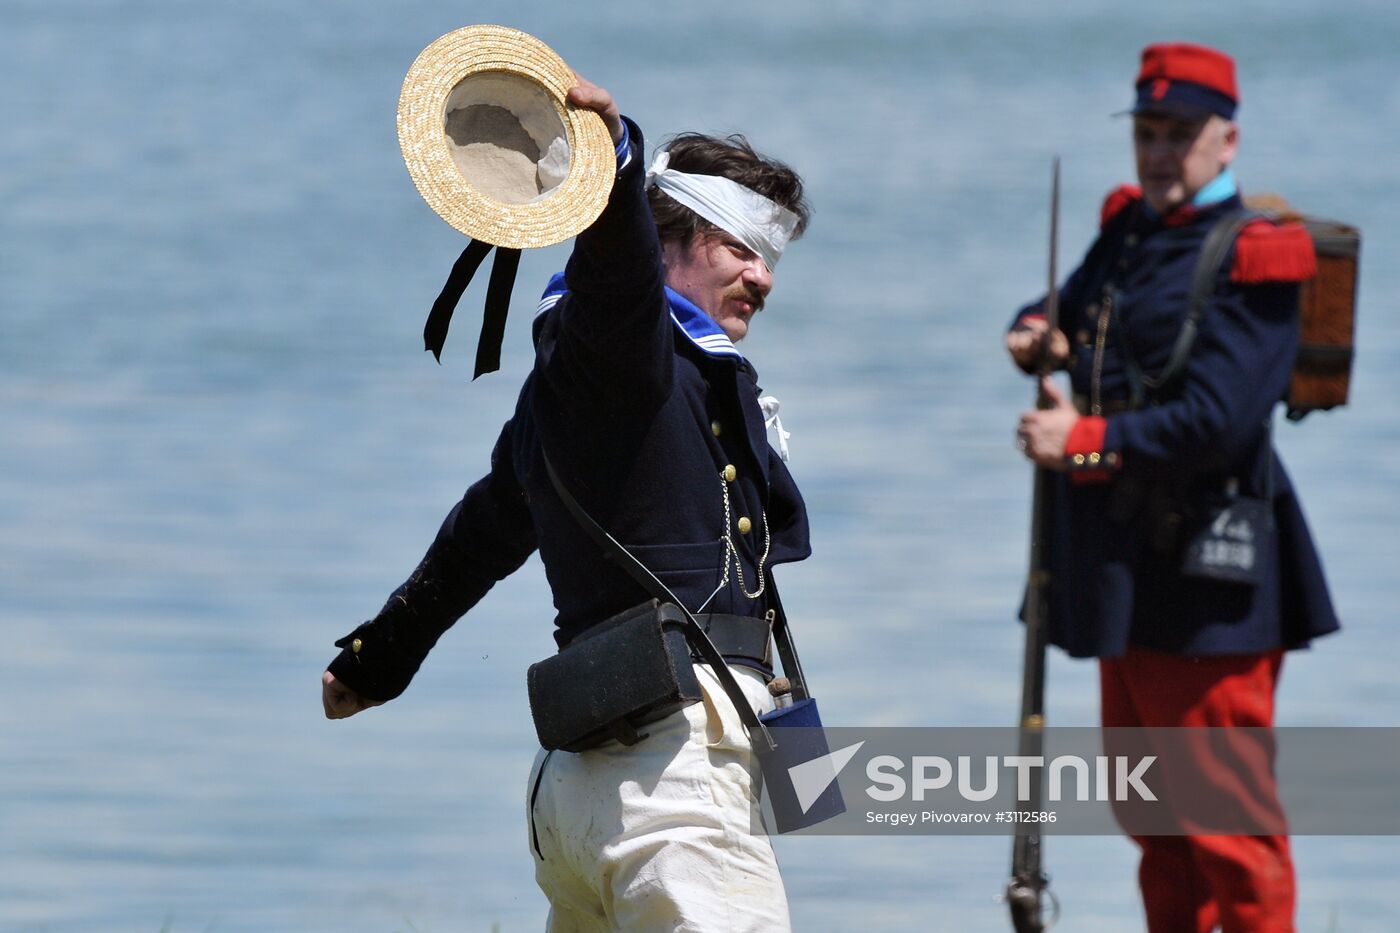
column 732, row 158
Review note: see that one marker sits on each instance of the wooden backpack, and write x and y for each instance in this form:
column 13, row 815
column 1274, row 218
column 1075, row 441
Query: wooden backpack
column 1322, row 370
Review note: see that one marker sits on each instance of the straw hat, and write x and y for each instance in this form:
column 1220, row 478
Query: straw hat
column 493, row 147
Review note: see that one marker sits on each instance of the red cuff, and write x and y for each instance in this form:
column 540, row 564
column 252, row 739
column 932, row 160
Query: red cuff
column 1085, row 460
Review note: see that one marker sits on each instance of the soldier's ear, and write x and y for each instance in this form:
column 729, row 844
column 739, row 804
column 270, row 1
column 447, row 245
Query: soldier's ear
column 674, row 252
column 1230, row 142
column 671, row 251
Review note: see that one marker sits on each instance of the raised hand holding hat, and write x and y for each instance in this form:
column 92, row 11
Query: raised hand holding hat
column 501, row 149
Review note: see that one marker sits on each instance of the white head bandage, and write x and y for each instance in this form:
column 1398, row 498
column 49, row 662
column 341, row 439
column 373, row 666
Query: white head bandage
column 760, row 224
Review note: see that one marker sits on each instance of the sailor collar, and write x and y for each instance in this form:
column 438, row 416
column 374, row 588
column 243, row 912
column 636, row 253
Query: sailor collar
column 697, row 326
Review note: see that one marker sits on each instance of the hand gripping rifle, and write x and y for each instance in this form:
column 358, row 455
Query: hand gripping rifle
column 1029, row 887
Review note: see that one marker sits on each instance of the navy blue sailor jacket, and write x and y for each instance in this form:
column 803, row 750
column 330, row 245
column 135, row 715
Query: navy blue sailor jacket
column 1141, row 476
column 651, row 418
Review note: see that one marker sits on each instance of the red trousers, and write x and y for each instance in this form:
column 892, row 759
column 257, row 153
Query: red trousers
column 1192, row 884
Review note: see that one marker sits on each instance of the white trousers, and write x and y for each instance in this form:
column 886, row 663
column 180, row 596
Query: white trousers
column 655, row 837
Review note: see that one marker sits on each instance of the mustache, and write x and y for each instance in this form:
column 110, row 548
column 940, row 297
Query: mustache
column 746, row 293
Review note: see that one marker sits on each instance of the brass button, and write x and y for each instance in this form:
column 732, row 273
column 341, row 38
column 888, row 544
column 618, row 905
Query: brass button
column 1111, row 458
column 745, row 526
column 355, row 646
column 730, row 474
column 1094, row 458
column 715, row 428
column 1131, row 239
column 1078, row 459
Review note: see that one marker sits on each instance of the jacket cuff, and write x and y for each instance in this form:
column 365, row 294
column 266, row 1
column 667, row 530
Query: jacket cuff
column 631, row 151
column 1085, row 459
column 379, row 658
column 372, row 663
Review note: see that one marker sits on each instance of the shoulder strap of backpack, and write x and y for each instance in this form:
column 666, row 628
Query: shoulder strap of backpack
column 1216, row 247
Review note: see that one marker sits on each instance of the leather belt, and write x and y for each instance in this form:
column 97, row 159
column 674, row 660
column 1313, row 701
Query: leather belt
column 1108, row 406
column 739, row 638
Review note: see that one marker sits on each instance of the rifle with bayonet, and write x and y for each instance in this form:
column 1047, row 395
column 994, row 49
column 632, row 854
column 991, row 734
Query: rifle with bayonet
column 1029, row 888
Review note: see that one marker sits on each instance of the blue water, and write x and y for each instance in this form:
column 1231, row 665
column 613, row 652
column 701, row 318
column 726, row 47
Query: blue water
column 221, row 445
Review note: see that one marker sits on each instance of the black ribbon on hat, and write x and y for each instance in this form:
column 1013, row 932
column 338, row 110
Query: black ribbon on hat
column 493, row 323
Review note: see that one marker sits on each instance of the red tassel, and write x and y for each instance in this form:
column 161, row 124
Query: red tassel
column 1266, row 252
column 1118, row 199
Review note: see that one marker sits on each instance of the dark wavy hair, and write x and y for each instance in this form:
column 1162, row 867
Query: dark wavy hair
column 732, row 158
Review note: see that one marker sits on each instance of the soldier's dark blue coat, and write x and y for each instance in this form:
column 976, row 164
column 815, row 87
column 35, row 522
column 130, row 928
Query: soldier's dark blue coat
column 641, row 402
column 1116, row 582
